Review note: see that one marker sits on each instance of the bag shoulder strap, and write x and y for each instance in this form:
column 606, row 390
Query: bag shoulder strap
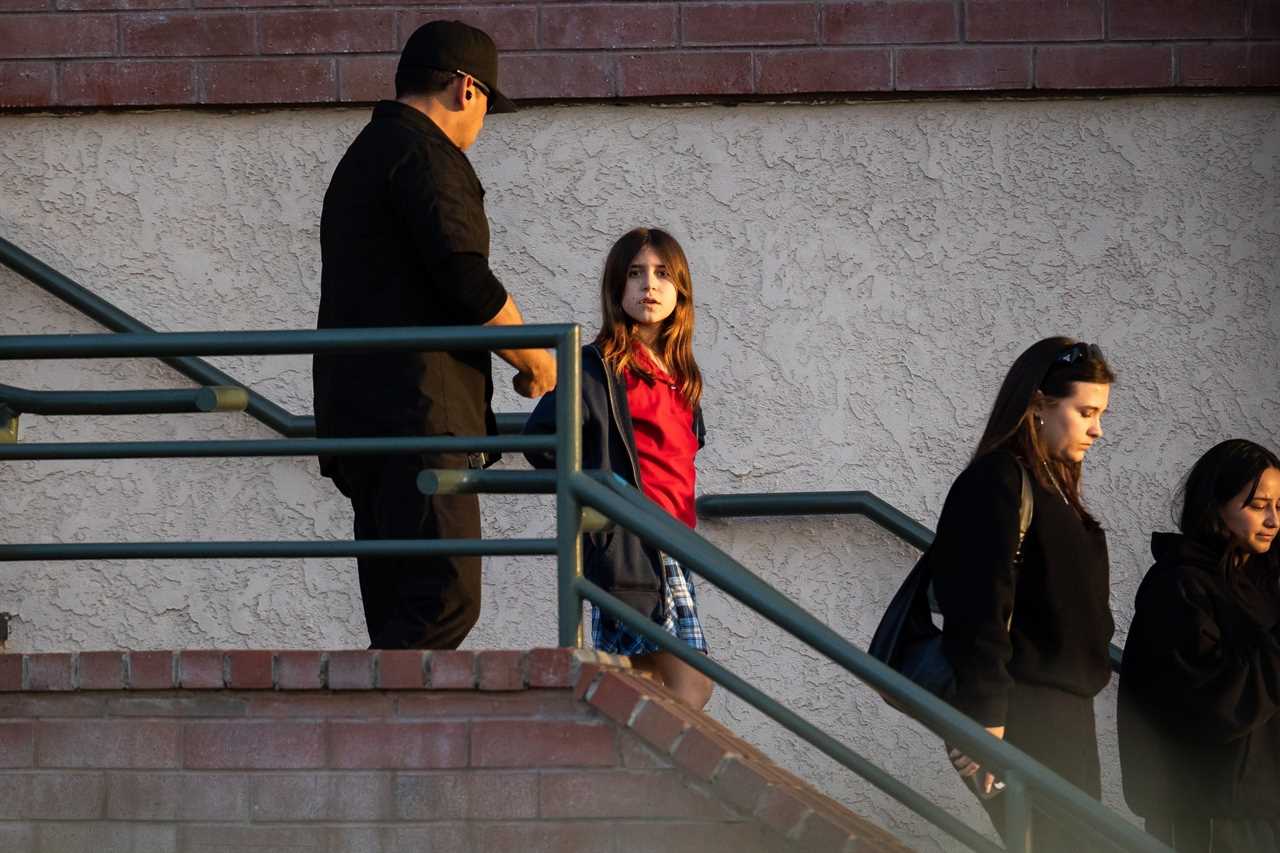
column 1027, row 508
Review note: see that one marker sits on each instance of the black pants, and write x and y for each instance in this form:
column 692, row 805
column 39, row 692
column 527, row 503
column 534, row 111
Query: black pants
column 413, row 602
column 1191, row 834
column 1057, row 729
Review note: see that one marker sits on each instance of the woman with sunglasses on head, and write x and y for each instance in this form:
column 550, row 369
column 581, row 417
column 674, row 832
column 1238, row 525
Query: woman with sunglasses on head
column 1199, row 705
column 1026, row 626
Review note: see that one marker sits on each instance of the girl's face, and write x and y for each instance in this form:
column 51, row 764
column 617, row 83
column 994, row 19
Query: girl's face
column 1072, row 424
column 1253, row 522
column 649, row 296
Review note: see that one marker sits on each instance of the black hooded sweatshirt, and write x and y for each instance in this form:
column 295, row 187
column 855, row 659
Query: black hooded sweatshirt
column 1199, row 700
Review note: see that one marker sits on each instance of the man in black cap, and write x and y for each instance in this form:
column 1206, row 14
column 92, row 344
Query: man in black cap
column 405, row 242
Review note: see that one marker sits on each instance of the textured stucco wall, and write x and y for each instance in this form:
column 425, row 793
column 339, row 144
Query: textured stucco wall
column 864, row 274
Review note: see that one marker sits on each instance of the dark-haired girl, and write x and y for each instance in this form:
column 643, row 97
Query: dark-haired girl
column 641, row 390
column 1027, row 630
column 1199, row 713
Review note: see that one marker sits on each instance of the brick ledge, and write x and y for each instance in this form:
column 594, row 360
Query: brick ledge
column 711, row 755
column 198, row 669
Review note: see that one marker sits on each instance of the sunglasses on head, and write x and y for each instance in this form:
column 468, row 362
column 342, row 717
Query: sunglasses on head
column 1078, row 352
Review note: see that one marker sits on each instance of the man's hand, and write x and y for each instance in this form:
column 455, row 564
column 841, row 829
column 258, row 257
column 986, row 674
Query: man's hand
column 535, row 368
column 535, row 383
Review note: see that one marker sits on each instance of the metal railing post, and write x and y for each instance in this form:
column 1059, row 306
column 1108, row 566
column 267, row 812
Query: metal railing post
column 1017, row 816
column 568, row 508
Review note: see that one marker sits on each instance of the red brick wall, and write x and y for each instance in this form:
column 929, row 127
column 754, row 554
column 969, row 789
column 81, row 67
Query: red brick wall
column 361, row 751
column 91, row 53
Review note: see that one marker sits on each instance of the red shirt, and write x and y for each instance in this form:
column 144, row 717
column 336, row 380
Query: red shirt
column 665, row 442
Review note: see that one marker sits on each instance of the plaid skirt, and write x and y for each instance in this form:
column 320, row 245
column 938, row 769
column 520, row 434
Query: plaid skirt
column 676, row 613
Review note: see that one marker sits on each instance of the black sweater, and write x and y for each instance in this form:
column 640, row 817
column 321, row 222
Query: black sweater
column 1199, row 704
column 1061, row 609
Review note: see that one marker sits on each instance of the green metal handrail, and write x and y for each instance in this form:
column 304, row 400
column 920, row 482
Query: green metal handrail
column 87, row 302
column 96, row 308
column 276, row 447
column 770, row 707
column 866, row 504
column 863, row 503
column 567, row 443
column 256, row 550
column 290, row 342
column 23, row 401
column 575, row 490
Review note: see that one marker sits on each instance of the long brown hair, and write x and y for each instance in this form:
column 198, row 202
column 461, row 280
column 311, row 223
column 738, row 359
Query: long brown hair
column 675, row 339
column 1038, row 375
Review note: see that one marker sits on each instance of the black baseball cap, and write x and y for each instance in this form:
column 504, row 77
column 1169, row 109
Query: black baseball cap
column 454, row 46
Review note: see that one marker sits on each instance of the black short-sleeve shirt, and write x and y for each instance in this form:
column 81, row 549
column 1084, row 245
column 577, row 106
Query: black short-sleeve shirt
column 403, row 213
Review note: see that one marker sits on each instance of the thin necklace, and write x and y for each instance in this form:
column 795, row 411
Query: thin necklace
column 1054, row 480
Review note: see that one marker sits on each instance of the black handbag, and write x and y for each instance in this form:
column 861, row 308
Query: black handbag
column 907, row 638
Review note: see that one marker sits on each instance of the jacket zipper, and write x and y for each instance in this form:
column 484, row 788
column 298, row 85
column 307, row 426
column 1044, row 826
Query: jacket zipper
column 613, row 414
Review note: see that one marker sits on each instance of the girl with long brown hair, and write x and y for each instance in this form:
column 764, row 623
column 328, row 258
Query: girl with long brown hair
column 641, row 391
column 1027, row 625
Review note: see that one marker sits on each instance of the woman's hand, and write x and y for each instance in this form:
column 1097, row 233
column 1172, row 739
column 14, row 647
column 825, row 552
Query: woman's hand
column 985, row 785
